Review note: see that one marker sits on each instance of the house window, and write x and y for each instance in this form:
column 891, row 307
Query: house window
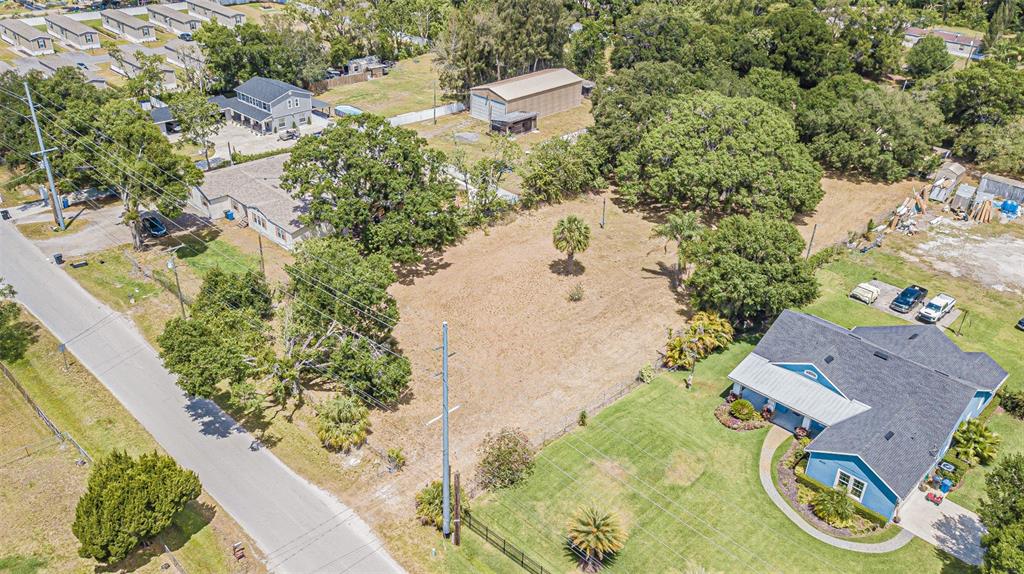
column 41, row 43
column 282, row 122
column 850, row 484
column 88, row 38
column 145, row 31
column 238, row 20
column 192, row 25
column 280, row 234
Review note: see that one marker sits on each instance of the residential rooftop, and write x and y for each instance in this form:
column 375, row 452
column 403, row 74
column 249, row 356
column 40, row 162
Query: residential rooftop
column 915, row 382
column 258, row 184
column 267, row 89
column 125, row 18
column 70, row 24
column 22, row 29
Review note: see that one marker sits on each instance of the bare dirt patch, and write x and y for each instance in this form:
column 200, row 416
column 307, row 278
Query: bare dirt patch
column 848, row 205
column 525, row 355
column 991, row 254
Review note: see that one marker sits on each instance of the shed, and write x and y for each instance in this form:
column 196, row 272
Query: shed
column 515, row 123
column 964, row 197
column 945, row 180
column 999, row 186
column 545, row 92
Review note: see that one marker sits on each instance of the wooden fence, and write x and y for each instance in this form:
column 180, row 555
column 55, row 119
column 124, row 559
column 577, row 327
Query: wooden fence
column 499, row 542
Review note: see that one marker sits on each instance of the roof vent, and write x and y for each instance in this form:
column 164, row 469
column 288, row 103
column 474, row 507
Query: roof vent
column 941, row 373
column 881, row 355
column 829, row 359
column 889, row 435
column 914, row 336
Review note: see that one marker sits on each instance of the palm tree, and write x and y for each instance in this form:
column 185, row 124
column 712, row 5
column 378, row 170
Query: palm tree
column 833, row 506
column 595, row 536
column 571, row 236
column 683, row 227
column 974, row 443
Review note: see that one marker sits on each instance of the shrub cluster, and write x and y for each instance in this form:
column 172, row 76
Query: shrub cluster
column 743, row 410
column 833, row 506
column 342, row 422
column 1013, row 403
column 706, row 334
column 506, row 458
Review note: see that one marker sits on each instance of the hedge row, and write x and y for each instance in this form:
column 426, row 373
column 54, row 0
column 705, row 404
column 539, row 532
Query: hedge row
column 858, row 508
column 238, row 158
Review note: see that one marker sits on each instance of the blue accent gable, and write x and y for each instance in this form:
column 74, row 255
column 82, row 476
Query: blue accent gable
column 978, row 403
column 823, row 467
column 803, row 369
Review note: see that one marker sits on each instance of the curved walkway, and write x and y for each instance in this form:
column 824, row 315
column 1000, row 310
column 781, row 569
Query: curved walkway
column 776, row 436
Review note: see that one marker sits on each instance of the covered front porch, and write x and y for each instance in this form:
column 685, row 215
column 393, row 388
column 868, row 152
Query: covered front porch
column 782, row 415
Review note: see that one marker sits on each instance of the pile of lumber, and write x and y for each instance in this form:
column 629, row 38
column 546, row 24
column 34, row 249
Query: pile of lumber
column 982, row 212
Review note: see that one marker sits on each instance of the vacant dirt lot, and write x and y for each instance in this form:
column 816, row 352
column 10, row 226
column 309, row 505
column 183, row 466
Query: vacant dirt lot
column 848, row 205
column 525, row 355
column 991, row 254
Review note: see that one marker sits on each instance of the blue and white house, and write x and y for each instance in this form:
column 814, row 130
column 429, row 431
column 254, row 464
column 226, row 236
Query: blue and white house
column 881, row 403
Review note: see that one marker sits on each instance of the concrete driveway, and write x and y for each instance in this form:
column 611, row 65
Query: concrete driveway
column 947, row 526
column 889, row 292
column 100, row 229
column 244, row 140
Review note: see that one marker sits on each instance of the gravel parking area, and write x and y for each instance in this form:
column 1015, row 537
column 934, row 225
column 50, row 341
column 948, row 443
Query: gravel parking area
column 889, row 292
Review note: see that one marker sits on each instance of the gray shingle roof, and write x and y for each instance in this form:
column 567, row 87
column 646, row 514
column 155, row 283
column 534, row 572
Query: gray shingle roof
column 908, row 395
column 266, row 89
column 257, row 184
column 243, row 108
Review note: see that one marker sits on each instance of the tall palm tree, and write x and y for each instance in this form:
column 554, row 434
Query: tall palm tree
column 685, row 228
column 974, row 443
column 571, row 236
column 595, row 536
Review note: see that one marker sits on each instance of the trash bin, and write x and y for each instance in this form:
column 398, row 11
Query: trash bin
column 945, row 485
column 229, row 215
column 4, row 214
column 65, row 203
column 58, row 258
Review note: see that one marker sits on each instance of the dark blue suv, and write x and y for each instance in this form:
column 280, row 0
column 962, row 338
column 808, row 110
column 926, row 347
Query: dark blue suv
column 908, row 299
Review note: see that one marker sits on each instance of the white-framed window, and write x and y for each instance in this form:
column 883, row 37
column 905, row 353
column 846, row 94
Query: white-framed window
column 88, row 38
column 193, row 25
column 238, row 20
column 145, row 31
column 41, row 43
column 851, row 484
column 281, row 123
column 280, row 233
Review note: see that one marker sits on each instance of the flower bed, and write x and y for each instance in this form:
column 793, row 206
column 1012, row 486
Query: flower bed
column 799, row 496
column 724, row 417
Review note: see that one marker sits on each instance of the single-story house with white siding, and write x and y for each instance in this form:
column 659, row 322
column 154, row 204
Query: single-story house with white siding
column 128, row 26
column 251, row 192
column 129, row 67
column 25, row 38
column 72, row 32
column 173, row 20
column 184, row 54
column 214, row 11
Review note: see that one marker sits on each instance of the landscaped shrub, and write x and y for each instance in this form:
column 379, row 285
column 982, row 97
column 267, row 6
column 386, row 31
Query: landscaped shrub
column 594, row 537
column 396, row 459
column 974, row 443
column 743, row 410
column 959, row 469
column 1013, row 403
column 342, row 422
column 863, row 511
column 647, row 374
column 706, row 333
column 505, row 459
column 430, row 504
column 833, row 506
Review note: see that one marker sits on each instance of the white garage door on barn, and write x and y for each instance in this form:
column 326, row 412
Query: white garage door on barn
column 484, row 108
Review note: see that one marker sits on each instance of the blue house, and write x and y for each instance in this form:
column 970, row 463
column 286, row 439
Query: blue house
column 881, row 403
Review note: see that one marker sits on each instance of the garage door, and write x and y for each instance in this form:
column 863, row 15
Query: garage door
column 478, row 107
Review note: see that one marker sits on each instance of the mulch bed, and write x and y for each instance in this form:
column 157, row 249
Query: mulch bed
column 724, row 417
column 788, row 488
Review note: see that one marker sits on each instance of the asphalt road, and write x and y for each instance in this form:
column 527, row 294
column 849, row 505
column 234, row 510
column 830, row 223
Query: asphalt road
column 300, row 527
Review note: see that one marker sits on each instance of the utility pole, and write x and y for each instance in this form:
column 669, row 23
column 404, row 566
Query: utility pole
column 58, row 212
column 445, row 470
column 457, row 533
column 181, row 300
column 963, row 319
column 814, row 231
column 263, row 265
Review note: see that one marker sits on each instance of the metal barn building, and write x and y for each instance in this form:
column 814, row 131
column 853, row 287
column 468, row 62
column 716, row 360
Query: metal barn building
column 541, row 93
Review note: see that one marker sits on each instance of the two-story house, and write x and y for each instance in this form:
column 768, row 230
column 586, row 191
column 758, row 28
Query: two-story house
column 72, row 32
column 214, row 12
column 127, row 26
column 266, row 105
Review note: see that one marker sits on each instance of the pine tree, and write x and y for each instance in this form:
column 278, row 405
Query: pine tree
column 128, row 500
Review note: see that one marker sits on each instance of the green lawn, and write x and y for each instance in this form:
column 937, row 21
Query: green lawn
column 205, row 255
column 686, row 488
column 408, row 87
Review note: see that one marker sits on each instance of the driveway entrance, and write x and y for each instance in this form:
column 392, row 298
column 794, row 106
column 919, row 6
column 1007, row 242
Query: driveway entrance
column 947, row 526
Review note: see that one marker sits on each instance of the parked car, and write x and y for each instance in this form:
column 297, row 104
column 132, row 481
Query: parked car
column 865, row 292
column 908, row 299
column 1020, row 324
column 82, row 65
column 937, row 308
column 186, row 36
column 288, row 135
column 153, row 226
